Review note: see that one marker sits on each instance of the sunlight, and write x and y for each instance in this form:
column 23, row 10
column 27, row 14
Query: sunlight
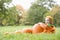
column 24, row 3
column 57, row 2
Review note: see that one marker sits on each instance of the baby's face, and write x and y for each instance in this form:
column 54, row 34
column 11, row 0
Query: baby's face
column 47, row 20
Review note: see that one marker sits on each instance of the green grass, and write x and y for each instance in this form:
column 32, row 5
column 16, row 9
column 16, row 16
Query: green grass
column 42, row 36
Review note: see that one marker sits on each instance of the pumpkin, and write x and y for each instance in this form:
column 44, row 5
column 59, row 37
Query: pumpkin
column 27, row 30
column 50, row 29
column 39, row 28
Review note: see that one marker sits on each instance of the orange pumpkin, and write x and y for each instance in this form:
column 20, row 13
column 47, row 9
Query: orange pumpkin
column 38, row 28
column 50, row 29
column 41, row 27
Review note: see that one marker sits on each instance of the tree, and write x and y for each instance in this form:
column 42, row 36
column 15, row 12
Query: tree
column 3, row 9
column 56, row 15
column 21, row 14
column 11, row 16
column 38, row 9
column 57, row 19
column 35, row 14
column 2, row 6
column 46, row 3
column 55, row 12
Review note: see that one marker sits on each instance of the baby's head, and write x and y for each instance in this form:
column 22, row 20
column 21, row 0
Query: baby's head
column 49, row 20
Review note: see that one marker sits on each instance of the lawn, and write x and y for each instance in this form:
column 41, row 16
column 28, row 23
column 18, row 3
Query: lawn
column 41, row 36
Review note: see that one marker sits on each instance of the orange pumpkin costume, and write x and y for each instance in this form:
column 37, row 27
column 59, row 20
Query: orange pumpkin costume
column 39, row 27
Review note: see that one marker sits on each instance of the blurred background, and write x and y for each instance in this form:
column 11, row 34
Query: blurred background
column 28, row 12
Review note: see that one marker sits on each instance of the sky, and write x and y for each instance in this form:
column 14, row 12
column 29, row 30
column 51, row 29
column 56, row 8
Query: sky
column 57, row 1
column 27, row 3
column 24, row 3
